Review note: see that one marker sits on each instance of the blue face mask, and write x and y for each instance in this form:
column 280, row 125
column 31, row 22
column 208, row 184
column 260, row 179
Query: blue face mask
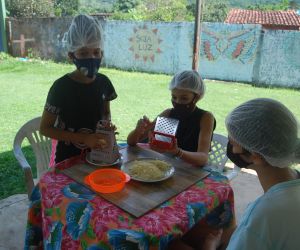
column 88, row 67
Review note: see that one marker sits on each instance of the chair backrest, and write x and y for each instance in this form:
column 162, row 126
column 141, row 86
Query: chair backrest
column 41, row 146
column 217, row 156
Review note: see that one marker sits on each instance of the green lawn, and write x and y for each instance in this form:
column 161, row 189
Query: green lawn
column 24, row 87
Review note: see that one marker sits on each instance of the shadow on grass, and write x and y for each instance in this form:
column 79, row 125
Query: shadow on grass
column 11, row 174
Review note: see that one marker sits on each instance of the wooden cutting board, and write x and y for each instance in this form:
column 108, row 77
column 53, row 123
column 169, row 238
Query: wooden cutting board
column 137, row 198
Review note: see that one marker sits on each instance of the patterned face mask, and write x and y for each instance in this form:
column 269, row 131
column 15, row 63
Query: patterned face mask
column 88, row 67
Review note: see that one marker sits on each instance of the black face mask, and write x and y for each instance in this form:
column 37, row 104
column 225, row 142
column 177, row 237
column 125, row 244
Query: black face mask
column 88, row 66
column 236, row 158
column 183, row 110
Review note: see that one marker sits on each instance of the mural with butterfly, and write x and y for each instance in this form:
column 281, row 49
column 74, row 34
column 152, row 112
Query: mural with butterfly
column 230, row 43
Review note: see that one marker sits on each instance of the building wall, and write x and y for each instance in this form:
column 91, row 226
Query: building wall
column 168, row 48
column 148, row 46
column 280, row 58
column 43, row 36
column 228, row 52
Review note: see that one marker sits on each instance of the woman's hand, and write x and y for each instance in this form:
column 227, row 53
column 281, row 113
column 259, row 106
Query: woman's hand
column 95, row 141
column 143, row 125
column 174, row 150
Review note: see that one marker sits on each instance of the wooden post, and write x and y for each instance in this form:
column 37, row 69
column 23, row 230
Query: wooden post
column 197, row 35
column 2, row 25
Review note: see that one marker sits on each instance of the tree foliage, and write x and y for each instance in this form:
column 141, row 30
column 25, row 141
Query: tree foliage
column 174, row 10
column 157, row 10
column 126, row 5
column 168, row 10
column 29, row 8
column 41, row 8
column 95, row 6
column 213, row 10
column 66, row 7
column 283, row 5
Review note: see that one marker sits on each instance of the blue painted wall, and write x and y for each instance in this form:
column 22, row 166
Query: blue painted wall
column 144, row 46
column 229, row 51
column 280, row 58
column 168, row 48
column 243, row 53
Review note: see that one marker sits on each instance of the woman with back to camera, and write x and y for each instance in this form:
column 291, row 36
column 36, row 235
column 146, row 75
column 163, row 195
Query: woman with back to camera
column 264, row 136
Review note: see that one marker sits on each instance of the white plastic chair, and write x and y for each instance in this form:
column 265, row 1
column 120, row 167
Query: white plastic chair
column 41, row 146
column 217, row 157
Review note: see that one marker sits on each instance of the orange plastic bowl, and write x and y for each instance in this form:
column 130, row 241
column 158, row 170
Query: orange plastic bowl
column 107, row 180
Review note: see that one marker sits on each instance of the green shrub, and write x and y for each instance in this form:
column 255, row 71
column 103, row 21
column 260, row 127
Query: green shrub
column 125, row 5
column 283, row 5
column 155, row 10
column 66, row 7
column 29, row 8
column 4, row 56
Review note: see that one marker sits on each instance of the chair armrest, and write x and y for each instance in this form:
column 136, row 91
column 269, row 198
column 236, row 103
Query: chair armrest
column 26, row 168
column 29, row 181
column 20, row 157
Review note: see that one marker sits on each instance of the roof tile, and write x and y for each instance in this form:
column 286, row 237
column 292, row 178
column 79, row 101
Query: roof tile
column 284, row 18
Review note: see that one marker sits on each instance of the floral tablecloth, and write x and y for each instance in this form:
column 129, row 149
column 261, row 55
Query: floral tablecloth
column 65, row 215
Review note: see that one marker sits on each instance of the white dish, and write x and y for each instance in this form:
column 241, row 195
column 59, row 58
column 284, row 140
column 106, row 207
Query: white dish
column 100, row 164
column 167, row 174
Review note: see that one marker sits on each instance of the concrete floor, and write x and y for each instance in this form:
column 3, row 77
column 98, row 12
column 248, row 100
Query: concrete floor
column 13, row 210
column 246, row 188
column 13, row 217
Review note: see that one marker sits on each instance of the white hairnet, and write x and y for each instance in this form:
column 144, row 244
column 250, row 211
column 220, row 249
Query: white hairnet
column 266, row 127
column 188, row 80
column 84, row 31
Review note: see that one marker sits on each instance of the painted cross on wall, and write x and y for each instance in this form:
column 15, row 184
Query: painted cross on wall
column 22, row 43
column 145, row 43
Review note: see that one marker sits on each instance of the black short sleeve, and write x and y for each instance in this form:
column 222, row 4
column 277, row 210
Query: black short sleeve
column 54, row 99
column 109, row 92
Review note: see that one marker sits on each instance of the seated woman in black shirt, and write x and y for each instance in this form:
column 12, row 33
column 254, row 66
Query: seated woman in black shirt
column 196, row 126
